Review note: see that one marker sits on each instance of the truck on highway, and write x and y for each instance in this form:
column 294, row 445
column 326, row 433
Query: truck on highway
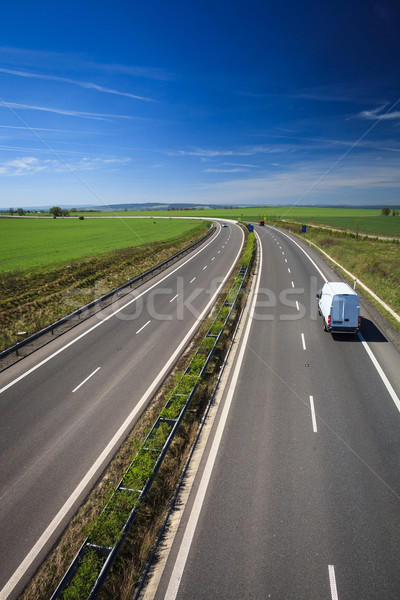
column 339, row 306
column 261, row 223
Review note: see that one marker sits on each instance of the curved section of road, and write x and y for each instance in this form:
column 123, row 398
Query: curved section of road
column 302, row 488
column 65, row 409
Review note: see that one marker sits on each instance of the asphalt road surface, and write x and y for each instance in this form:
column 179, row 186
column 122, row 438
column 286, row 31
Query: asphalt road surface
column 65, row 409
column 297, row 493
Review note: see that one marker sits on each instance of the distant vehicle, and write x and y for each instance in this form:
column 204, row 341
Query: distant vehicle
column 339, row 306
column 261, row 223
column 224, row 225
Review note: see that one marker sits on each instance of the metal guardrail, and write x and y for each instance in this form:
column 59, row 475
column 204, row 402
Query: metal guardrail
column 99, row 302
column 107, row 554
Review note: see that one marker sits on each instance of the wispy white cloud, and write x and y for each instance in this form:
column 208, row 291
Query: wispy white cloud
column 243, row 151
column 51, row 130
column 71, row 61
column 245, row 165
column 356, row 176
column 30, row 165
column 378, row 114
column 27, row 165
column 62, row 111
column 84, row 84
column 219, row 170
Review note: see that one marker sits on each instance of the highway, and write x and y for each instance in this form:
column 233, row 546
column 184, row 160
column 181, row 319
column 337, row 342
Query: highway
column 65, row 409
column 294, row 492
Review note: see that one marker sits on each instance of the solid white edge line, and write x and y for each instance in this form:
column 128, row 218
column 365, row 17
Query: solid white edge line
column 141, row 329
column 313, row 416
column 378, row 367
column 375, row 362
column 187, row 539
column 303, row 341
column 3, row 389
column 332, row 582
column 85, row 380
column 122, row 431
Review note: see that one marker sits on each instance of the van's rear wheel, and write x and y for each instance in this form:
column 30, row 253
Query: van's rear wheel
column 325, row 327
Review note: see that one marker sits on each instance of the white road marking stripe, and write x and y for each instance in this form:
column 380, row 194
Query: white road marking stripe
column 183, row 552
column 145, row 325
column 204, row 268
column 191, row 281
column 314, row 420
column 332, row 582
column 292, row 284
column 285, row 259
column 213, row 258
column 288, row 270
column 378, row 367
column 297, row 305
column 303, row 341
column 85, row 380
column 174, row 298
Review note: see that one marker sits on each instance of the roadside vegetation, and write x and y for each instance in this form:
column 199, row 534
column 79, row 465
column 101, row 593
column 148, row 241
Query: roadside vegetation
column 104, row 525
column 31, row 300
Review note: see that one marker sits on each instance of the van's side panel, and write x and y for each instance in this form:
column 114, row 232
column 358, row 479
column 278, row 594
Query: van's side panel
column 339, row 307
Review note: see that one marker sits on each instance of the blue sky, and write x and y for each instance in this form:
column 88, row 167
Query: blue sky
column 219, row 102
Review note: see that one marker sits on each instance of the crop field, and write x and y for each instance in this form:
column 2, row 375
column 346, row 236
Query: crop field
column 38, row 244
column 364, row 220
column 374, row 225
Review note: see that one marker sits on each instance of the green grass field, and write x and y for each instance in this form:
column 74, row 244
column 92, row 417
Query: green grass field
column 374, row 225
column 37, row 244
column 363, row 220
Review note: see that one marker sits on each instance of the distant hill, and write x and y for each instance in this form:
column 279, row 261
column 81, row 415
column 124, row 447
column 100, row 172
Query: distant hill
column 148, row 206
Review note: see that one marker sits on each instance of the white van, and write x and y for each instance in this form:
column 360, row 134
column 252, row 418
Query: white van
column 339, row 306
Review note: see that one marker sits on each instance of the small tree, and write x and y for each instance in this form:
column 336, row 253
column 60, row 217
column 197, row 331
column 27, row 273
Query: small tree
column 64, row 213
column 386, row 210
column 21, row 212
column 11, row 211
column 55, row 211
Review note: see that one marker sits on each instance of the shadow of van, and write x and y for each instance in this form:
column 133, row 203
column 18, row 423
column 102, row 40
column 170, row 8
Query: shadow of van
column 369, row 331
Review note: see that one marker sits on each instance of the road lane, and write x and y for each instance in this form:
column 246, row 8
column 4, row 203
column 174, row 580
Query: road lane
column 293, row 510
column 50, row 436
